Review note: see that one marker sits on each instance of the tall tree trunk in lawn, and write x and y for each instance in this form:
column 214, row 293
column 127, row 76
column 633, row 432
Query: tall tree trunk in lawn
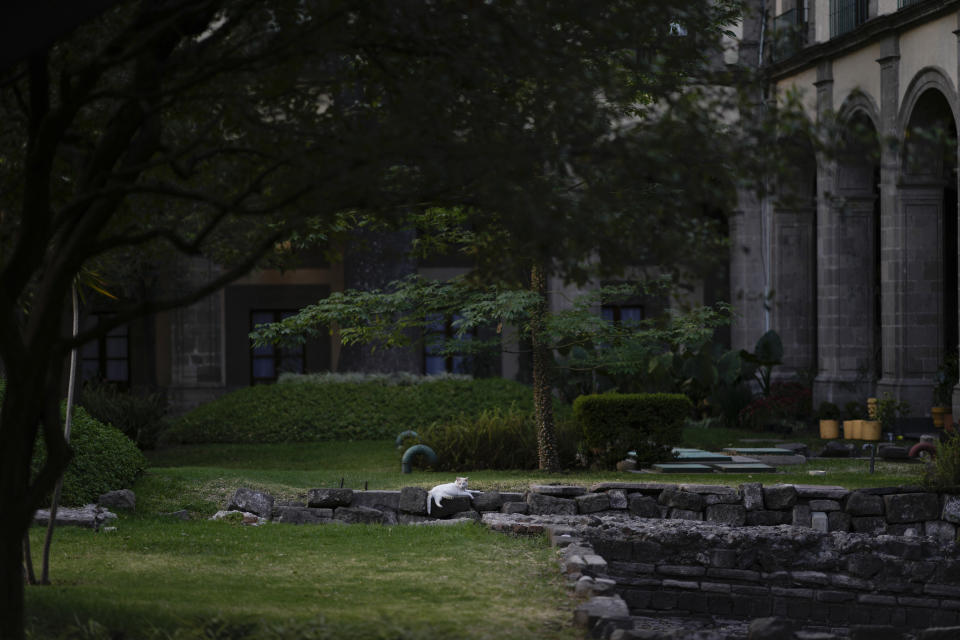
column 547, row 452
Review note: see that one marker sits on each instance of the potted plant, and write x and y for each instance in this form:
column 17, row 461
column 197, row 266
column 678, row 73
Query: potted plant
column 829, row 415
column 943, row 383
column 853, row 412
column 888, row 410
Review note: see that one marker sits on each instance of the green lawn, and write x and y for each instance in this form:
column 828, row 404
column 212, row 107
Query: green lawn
column 154, row 575
column 349, row 581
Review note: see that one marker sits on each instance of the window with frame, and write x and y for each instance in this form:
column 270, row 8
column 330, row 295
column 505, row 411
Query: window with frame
column 847, row 15
column 269, row 361
column 440, row 330
column 106, row 358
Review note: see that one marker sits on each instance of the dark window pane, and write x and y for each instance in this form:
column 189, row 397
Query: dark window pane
column 291, row 365
column 434, row 365
column 264, row 368
column 265, row 350
column 89, row 369
column 117, row 347
column 261, row 317
column 90, row 350
column 117, row 371
column 607, row 314
column 631, row 314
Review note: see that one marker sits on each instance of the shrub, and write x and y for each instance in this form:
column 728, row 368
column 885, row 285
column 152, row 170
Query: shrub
column 303, row 409
column 944, row 471
column 103, row 460
column 788, row 401
column 139, row 417
column 648, row 423
column 496, row 439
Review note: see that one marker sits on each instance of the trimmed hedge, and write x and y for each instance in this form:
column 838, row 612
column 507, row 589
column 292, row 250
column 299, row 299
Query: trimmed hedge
column 496, row 439
column 299, row 410
column 648, row 423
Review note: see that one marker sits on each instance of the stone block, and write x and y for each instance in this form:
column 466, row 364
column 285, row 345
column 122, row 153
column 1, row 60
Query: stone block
column 515, row 507
column 869, row 524
column 802, row 516
column 723, row 558
column 940, row 530
column 359, row 515
column 558, row 490
column 909, row 530
column 752, row 495
column 329, row 498
column 469, row 514
column 864, row 565
column 682, row 570
column 911, row 507
column 618, row 499
column 820, row 492
column 449, row 507
column 860, row 503
column 383, row 500
column 590, row 612
column 685, row 514
column 685, row 500
column 119, row 499
column 779, row 497
column 413, row 500
column 951, row 509
column 251, row 501
column 643, row 506
column 763, row 518
column 824, row 505
column 734, row 515
column 592, row 502
column 875, row 632
column 939, row 633
column 819, row 521
column 303, row 515
column 542, row 504
column 838, row 521
column 771, row 629
column 488, row 501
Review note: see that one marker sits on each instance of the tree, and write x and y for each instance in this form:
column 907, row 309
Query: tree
column 224, row 129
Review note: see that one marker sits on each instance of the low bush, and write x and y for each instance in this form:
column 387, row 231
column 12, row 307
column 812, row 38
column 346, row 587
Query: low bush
column 138, row 416
column 103, row 460
column 496, row 439
column 943, row 472
column 322, row 408
column 787, row 402
column 648, row 423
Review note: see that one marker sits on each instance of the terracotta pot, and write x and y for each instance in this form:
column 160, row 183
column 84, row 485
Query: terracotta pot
column 869, row 430
column 829, row 429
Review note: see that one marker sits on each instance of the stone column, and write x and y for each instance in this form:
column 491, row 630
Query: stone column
column 845, row 292
column 747, row 272
column 794, row 301
column 912, row 310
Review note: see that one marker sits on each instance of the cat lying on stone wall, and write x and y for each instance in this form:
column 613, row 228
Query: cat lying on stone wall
column 453, row 489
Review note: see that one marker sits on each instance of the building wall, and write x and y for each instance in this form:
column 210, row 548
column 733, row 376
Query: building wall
column 879, row 309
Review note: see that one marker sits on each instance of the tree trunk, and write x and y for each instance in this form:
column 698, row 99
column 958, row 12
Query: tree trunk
column 11, row 578
column 542, row 369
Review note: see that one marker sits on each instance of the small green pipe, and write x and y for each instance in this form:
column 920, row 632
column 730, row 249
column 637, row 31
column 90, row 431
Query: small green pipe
column 405, row 434
column 413, row 452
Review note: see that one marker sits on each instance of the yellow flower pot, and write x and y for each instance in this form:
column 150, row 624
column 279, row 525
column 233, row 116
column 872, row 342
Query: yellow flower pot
column 937, row 414
column 869, row 430
column 829, row 429
column 851, row 429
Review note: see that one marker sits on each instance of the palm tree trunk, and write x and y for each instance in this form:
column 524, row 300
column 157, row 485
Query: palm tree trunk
column 68, row 421
column 547, row 450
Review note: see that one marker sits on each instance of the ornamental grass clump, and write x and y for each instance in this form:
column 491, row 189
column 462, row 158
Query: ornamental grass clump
column 496, row 439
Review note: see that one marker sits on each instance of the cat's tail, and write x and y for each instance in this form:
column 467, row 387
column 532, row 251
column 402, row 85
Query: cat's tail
column 428, row 503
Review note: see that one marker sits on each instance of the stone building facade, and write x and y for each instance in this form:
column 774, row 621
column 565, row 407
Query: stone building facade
column 853, row 257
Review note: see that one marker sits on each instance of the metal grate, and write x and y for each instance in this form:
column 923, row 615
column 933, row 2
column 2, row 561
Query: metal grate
column 907, row 3
column 847, row 15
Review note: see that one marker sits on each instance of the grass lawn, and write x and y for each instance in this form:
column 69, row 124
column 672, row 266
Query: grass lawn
column 154, row 575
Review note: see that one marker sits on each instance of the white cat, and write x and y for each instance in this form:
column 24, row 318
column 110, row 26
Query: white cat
column 453, row 489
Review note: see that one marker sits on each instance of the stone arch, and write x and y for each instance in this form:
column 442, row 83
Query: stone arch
column 859, row 103
column 920, row 243
column 926, row 79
